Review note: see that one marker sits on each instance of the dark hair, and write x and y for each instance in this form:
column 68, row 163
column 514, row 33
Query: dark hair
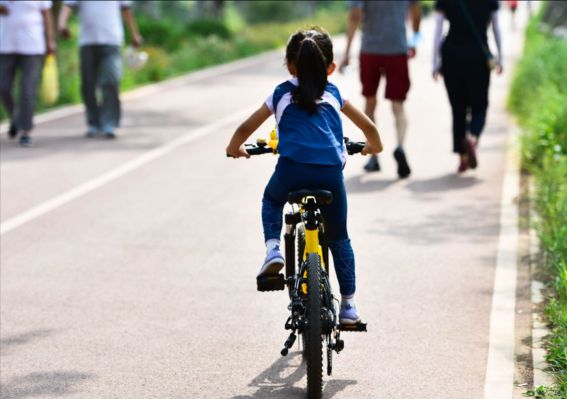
column 311, row 52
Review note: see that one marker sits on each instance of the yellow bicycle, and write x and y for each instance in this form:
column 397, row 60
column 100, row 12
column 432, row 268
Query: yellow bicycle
column 312, row 305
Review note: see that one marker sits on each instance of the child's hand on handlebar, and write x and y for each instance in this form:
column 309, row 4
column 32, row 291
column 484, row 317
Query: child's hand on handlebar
column 370, row 149
column 237, row 152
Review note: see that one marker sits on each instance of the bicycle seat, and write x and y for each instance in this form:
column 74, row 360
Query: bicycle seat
column 322, row 196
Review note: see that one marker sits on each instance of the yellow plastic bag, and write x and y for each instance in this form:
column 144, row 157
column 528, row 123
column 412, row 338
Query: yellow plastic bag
column 49, row 81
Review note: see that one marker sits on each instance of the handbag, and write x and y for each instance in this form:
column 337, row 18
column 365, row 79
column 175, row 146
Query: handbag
column 49, row 90
column 490, row 61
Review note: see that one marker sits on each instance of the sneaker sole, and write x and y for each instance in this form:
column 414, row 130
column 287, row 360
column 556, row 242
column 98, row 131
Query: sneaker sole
column 349, row 321
column 272, row 267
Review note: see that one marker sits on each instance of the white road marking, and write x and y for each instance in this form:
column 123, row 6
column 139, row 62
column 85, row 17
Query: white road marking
column 500, row 366
column 97, row 182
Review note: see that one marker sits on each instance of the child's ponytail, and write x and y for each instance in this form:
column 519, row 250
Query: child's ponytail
column 311, row 52
column 311, row 68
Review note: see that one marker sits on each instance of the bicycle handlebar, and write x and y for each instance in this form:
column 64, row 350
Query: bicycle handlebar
column 262, row 147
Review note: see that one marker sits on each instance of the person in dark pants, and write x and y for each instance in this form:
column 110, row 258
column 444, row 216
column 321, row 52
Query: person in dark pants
column 100, row 36
column 26, row 35
column 465, row 62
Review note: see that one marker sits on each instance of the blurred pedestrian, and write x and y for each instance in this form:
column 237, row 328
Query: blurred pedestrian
column 513, row 6
column 465, row 61
column 385, row 51
column 100, row 36
column 26, row 35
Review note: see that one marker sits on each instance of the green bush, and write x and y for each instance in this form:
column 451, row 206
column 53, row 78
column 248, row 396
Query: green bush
column 160, row 32
column 208, row 27
column 539, row 98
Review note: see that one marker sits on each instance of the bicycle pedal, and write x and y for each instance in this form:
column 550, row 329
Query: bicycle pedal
column 273, row 282
column 358, row 327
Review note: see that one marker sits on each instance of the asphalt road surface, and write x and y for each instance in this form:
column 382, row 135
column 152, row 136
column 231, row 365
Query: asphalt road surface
column 128, row 266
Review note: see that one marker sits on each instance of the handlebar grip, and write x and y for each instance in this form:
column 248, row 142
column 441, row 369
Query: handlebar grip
column 258, row 150
column 354, row 147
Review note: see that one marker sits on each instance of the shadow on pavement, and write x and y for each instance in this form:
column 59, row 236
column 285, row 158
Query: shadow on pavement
column 52, row 384
column 357, row 184
column 140, row 131
column 447, row 182
column 477, row 223
column 279, row 379
column 11, row 341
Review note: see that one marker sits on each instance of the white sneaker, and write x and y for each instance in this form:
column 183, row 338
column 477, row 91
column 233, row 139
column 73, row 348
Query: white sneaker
column 273, row 263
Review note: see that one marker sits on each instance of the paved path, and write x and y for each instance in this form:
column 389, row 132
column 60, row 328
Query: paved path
column 140, row 284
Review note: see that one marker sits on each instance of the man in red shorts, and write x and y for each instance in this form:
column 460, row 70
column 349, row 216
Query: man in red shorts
column 385, row 51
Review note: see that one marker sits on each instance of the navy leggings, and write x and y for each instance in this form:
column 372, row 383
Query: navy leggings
column 292, row 176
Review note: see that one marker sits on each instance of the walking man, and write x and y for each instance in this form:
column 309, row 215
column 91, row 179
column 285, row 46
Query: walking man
column 100, row 36
column 26, row 35
column 385, row 51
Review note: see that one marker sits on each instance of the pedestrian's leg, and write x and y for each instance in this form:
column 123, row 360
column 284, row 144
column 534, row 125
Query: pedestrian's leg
column 370, row 107
column 401, row 121
column 401, row 127
column 370, row 73
column 89, row 71
column 109, row 81
column 31, row 68
column 478, row 86
column 8, row 72
column 456, row 91
column 457, row 97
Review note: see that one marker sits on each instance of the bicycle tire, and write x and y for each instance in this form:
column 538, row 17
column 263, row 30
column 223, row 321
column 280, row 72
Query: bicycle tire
column 313, row 339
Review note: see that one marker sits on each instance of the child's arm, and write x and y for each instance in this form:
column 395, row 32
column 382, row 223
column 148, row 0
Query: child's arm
column 236, row 146
column 363, row 122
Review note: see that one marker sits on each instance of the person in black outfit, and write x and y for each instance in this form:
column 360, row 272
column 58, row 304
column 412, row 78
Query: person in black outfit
column 465, row 61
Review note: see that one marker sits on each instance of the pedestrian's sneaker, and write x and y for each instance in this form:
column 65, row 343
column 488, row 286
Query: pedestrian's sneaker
column 273, row 263
column 25, row 141
column 471, row 152
column 12, row 131
column 92, row 132
column 109, row 135
column 372, row 165
column 463, row 165
column 403, row 167
column 348, row 314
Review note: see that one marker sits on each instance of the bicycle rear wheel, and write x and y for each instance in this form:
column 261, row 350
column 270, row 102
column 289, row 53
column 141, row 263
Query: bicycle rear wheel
column 313, row 341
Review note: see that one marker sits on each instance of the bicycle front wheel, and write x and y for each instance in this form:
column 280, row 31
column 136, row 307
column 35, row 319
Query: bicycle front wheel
column 313, row 340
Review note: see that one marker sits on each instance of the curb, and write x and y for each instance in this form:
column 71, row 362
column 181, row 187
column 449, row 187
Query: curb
column 539, row 328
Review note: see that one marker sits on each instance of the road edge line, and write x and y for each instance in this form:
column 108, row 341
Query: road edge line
column 500, row 364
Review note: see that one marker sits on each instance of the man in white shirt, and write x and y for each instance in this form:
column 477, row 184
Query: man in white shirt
column 26, row 35
column 100, row 36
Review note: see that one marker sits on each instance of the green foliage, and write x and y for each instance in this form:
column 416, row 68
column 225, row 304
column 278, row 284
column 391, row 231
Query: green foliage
column 208, row 27
column 539, row 99
column 160, row 32
column 539, row 95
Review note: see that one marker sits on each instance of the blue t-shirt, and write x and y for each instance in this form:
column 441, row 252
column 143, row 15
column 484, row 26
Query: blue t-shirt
column 309, row 138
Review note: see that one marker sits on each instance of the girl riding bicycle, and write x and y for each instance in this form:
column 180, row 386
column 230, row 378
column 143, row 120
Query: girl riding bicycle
column 312, row 154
